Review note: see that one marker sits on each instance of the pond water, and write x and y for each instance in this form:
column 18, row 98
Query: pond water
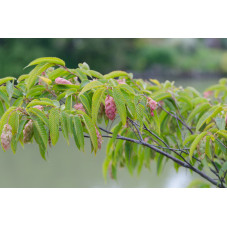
column 68, row 167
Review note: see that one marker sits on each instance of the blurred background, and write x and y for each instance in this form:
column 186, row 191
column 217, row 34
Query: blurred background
column 194, row 62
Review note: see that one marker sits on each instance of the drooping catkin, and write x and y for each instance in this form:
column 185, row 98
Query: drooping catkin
column 110, row 107
column 152, row 105
column 6, row 136
column 60, row 80
column 99, row 137
column 79, row 106
column 28, row 131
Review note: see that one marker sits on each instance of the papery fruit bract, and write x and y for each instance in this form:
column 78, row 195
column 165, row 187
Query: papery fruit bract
column 110, row 108
column 79, row 106
column 28, row 131
column 60, row 80
column 6, row 136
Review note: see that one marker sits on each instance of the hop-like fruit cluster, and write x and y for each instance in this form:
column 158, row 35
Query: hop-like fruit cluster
column 39, row 107
column 207, row 94
column 100, row 140
column 110, row 108
column 121, row 81
column 6, row 136
column 152, row 104
column 40, row 82
column 79, row 106
column 60, row 80
column 28, row 131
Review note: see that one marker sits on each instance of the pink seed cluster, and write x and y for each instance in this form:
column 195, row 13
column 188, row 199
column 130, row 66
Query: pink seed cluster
column 6, row 136
column 28, row 131
column 99, row 138
column 39, row 107
column 121, row 81
column 152, row 104
column 79, row 106
column 110, row 108
column 60, row 80
column 40, row 82
column 207, row 94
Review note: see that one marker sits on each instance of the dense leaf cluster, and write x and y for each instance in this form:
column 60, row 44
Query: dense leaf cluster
column 145, row 120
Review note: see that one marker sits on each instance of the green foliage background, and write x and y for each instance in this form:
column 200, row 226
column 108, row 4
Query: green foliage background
column 105, row 55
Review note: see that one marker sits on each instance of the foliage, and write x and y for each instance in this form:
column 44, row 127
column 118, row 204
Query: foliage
column 154, row 121
column 139, row 55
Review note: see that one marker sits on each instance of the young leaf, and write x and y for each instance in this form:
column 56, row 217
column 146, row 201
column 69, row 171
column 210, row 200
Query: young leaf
column 120, row 104
column 16, row 137
column 52, row 60
column 96, row 101
column 196, row 142
column 4, row 80
column 37, row 102
column 91, row 85
column 208, row 116
column 91, row 129
column 54, row 125
column 35, row 73
column 115, row 74
column 68, row 103
column 64, row 126
column 197, row 110
column 79, row 131
column 1, row 109
column 40, row 114
column 10, row 88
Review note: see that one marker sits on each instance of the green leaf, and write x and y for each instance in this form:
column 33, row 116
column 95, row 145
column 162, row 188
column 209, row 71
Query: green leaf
column 85, row 103
column 35, row 73
column 64, row 126
column 22, row 77
column 16, row 137
column 207, row 117
column 37, row 102
column 198, row 109
column 223, row 133
column 60, row 72
column 105, row 167
column 14, row 121
column 95, row 74
column 116, row 130
column 198, row 184
column 96, row 101
column 5, row 117
column 160, row 96
column 68, row 103
column 4, row 80
column 208, row 147
column 10, row 88
column 220, row 123
column 223, row 170
column 4, row 97
column 120, row 104
column 126, row 88
column 41, row 136
column 195, row 143
column 91, row 85
column 115, row 74
column 52, row 60
column 91, row 130
column 54, row 118
column 37, row 90
column 40, row 114
column 1, row 109
column 79, row 131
